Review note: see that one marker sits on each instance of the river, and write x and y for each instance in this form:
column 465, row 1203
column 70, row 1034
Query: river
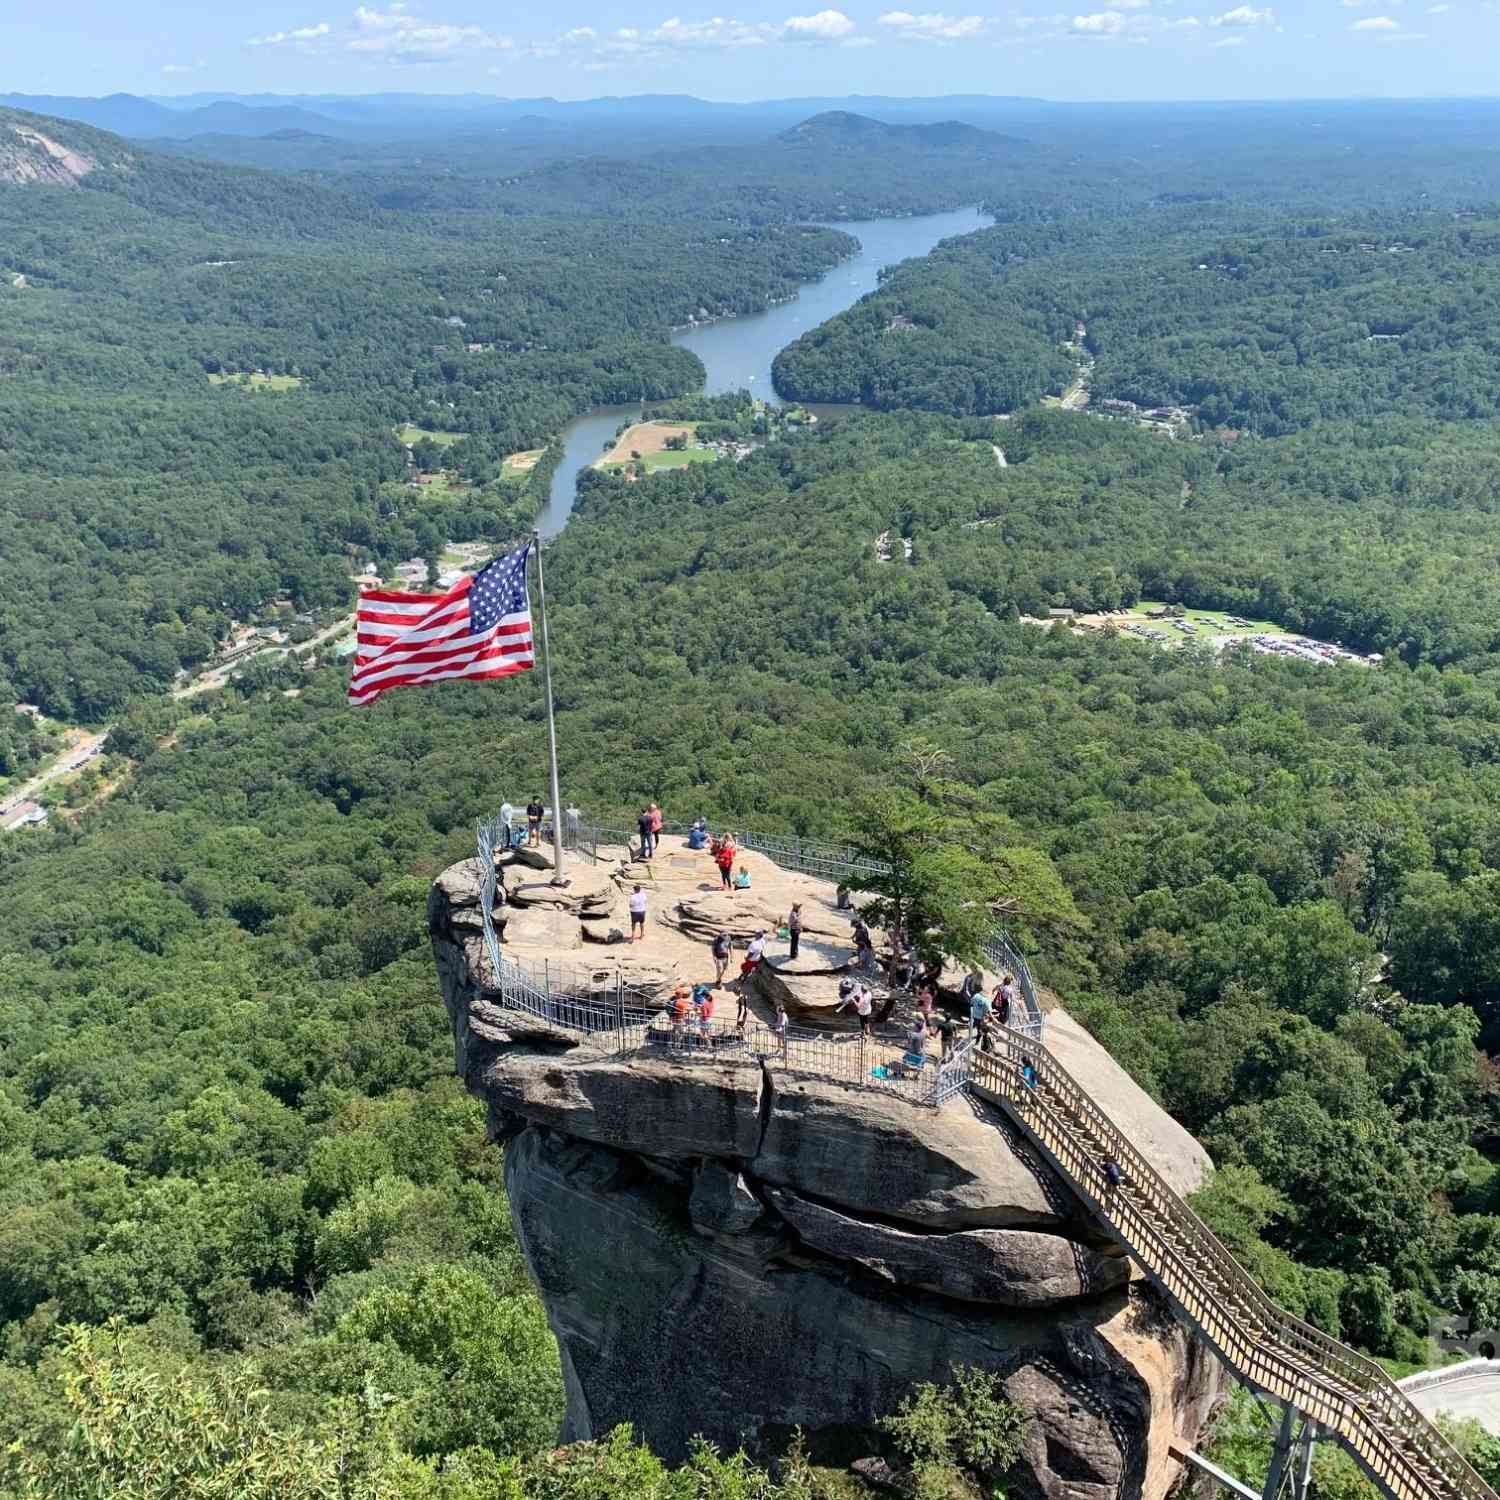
column 737, row 352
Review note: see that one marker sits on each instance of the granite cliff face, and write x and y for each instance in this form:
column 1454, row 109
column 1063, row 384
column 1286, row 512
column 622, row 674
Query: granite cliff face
column 727, row 1249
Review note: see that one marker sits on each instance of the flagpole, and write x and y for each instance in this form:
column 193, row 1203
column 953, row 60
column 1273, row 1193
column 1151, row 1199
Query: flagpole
column 557, row 812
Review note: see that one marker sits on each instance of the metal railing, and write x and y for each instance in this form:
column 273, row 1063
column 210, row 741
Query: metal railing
column 829, row 862
column 1346, row 1394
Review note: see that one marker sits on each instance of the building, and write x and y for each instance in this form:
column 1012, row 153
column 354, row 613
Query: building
column 23, row 815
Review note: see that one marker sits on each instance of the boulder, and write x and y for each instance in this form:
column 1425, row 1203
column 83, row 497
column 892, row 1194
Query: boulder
column 1008, row 1267
column 538, row 858
column 722, row 1201
column 656, row 1106
column 679, row 1335
column 729, row 1249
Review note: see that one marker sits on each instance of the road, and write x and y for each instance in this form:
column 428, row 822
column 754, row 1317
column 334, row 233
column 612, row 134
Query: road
column 216, row 677
column 89, row 745
column 1472, row 1392
column 70, row 760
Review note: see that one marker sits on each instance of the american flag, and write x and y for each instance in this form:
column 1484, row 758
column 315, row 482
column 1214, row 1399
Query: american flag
column 481, row 628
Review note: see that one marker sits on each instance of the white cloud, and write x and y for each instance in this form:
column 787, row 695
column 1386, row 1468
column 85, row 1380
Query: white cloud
column 1402, row 36
column 1101, row 23
column 397, row 36
column 296, row 34
column 934, row 26
column 1229, row 41
column 717, row 33
column 825, row 26
column 1245, row 15
column 171, row 68
column 1376, row 23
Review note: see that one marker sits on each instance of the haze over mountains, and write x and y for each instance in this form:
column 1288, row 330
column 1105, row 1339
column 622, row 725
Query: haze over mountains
column 396, row 116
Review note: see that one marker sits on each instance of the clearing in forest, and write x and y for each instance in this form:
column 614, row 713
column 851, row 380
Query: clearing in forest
column 256, row 380
column 646, row 438
column 517, row 464
column 409, row 434
column 649, row 439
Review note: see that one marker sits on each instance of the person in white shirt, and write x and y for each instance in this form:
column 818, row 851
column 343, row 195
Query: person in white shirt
column 859, row 996
column 753, row 954
column 507, row 812
column 637, row 915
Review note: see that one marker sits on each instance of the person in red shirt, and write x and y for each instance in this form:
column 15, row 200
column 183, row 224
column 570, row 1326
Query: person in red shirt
column 725, row 860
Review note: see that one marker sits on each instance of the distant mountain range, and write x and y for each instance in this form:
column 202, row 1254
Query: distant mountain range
column 841, row 128
column 387, row 117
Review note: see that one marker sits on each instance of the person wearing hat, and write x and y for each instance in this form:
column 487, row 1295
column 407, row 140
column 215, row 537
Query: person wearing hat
column 754, row 953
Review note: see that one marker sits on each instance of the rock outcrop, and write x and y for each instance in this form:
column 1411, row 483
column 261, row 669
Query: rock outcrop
column 727, row 1249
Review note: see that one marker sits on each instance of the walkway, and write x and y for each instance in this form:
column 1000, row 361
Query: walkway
column 1345, row 1395
column 1339, row 1393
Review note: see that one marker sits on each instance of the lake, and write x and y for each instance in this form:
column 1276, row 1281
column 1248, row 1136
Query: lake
column 737, row 352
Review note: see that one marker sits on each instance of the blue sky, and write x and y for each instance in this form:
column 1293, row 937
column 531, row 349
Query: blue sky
column 1091, row 49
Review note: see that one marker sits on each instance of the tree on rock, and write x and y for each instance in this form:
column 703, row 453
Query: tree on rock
column 954, row 872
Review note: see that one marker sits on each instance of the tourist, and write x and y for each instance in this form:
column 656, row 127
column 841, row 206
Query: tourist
column 725, row 860
column 534, row 813
column 915, row 1056
column 979, row 1010
column 1001, row 1005
column 863, row 1002
column 682, row 1004
column 753, row 954
column 945, row 1026
column 926, row 1001
column 841, row 899
column 778, row 1029
column 703, row 1000
column 643, row 827
column 722, row 949
column 1028, row 1072
column 742, row 1013
column 507, row 812
column 637, row 915
column 742, row 880
column 794, row 927
column 698, row 835
column 1008, row 989
column 864, row 949
column 656, row 821
column 1113, row 1176
column 971, row 986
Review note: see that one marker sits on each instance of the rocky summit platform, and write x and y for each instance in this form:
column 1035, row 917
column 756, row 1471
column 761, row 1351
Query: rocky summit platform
column 585, row 924
column 730, row 1245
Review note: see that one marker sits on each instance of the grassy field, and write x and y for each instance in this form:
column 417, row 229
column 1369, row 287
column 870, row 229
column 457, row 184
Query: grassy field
column 409, row 434
column 518, row 465
column 1214, row 620
column 646, row 438
column 677, row 460
column 254, row 380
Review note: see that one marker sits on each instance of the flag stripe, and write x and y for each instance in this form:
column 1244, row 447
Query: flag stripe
column 479, row 630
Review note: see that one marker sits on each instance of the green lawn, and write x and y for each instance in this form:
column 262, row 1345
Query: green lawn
column 668, row 459
column 257, row 381
column 1216, row 620
column 409, row 434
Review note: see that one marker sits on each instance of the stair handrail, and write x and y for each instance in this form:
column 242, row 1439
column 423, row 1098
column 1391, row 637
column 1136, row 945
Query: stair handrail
column 1353, row 1413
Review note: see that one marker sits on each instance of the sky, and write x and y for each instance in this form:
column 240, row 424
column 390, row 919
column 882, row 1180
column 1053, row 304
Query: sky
column 760, row 49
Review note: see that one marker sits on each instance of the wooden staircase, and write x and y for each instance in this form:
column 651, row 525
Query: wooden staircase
column 1347, row 1395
